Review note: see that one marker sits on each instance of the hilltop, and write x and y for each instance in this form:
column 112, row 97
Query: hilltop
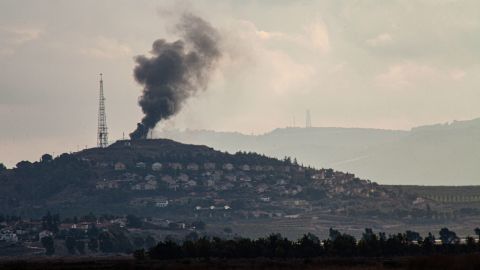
column 170, row 180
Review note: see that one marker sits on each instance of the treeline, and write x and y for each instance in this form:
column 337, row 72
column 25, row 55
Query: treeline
column 337, row 245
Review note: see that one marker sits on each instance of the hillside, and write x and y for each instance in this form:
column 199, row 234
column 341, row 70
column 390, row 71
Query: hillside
column 165, row 179
column 427, row 155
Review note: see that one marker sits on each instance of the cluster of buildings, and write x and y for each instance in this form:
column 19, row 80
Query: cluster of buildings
column 177, row 176
column 267, row 188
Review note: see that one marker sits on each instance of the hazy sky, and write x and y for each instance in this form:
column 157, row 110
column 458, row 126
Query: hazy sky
column 384, row 64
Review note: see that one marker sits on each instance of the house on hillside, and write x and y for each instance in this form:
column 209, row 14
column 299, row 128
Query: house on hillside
column 246, row 185
column 217, row 175
column 231, row 178
column 245, row 167
column 210, row 183
column 150, row 177
column 119, row 166
column 103, row 164
column 193, row 167
column 44, row 233
column 209, row 166
column 161, row 203
column 262, row 188
column 182, row 177
column 148, row 185
column 281, row 182
column 112, row 184
column 226, row 186
column 141, row 165
column 258, row 168
column 8, row 236
column 168, row 179
column 268, row 168
column 176, row 166
column 228, row 166
column 191, row 183
column 265, row 198
column 157, row 166
column 174, row 186
column 245, row 178
column 320, row 175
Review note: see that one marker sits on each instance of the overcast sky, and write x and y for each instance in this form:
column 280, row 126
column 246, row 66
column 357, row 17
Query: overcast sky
column 383, row 64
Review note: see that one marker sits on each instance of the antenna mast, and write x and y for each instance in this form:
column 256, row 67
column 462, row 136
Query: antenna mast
column 308, row 120
column 102, row 134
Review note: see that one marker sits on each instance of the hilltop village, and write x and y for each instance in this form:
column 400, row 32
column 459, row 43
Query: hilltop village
column 203, row 182
column 167, row 179
column 161, row 188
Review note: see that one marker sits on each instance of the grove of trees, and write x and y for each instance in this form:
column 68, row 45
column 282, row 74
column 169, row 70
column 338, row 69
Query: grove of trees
column 337, row 245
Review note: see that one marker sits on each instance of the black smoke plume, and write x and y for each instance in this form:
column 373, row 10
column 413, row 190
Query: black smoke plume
column 175, row 71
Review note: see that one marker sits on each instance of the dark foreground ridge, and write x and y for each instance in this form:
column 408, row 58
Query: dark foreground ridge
column 440, row 262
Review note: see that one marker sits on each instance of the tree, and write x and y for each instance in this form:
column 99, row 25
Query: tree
column 46, row 158
column 105, row 242
column 447, row 236
column 150, row 242
column 70, row 243
column 477, row 232
column 309, row 245
column 138, row 242
column 93, row 231
column 199, row 225
column 413, row 236
column 24, row 164
column 48, row 244
column 428, row 243
column 470, row 244
column 80, row 246
column 369, row 245
column 344, row 245
column 93, row 245
column 193, row 236
column 333, row 234
column 139, row 254
column 2, row 167
column 90, row 218
column 133, row 221
column 51, row 222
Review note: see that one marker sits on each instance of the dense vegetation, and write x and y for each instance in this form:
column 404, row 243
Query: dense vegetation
column 338, row 245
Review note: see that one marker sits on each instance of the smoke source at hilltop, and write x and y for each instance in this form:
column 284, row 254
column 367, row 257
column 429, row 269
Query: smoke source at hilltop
column 175, row 71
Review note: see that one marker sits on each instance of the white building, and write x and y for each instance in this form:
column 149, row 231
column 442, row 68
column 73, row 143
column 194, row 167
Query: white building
column 141, row 165
column 228, row 166
column 8, row 236
column 119, row 166
column 157, row 166
column 161, row 203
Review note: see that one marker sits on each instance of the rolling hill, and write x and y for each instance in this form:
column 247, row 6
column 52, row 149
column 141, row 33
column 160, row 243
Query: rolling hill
column 442, row 154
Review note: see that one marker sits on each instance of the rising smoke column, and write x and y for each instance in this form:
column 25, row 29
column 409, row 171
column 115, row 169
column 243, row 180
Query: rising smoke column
column 175, row 71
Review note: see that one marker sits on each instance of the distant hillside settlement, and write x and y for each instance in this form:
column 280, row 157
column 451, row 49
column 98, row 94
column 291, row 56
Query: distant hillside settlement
column 183, row 183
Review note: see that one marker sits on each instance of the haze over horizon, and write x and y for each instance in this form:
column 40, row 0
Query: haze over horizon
column 388, row 65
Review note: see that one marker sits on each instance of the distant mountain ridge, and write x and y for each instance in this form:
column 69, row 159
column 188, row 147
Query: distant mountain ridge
column 440, row 154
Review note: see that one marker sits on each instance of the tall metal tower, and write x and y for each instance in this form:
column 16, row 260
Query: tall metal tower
column 102, row 134
column 308, row 120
